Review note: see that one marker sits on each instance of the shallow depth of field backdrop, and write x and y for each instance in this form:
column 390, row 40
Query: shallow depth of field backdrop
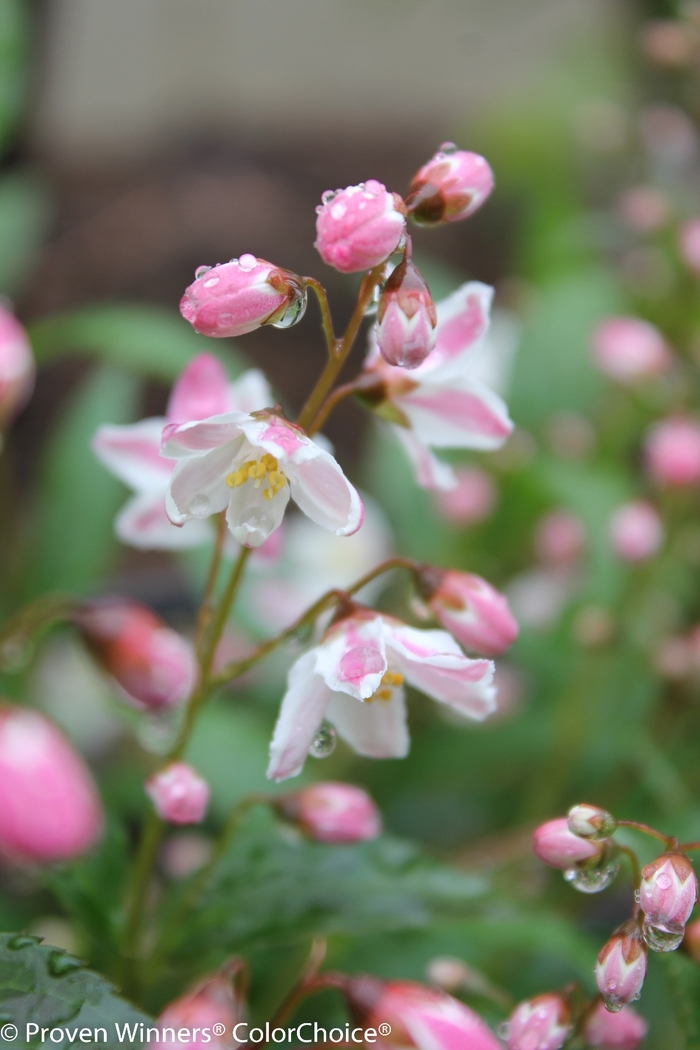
column 142, row 138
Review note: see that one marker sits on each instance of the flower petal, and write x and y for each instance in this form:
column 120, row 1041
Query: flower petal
column 200, row 391
column 463, row 319
column 431, row 473
column 376, row 728
column 433, row 662
column 143, row 523
column 186, row 439
column 324, row 494
column 352, row 659
column 198, row 487
column 250, row 392
column 460, row 414
column 301, row 714
column 132, row 453
column 251, row 518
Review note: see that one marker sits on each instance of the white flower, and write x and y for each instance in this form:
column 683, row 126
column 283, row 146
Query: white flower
column 354, row 678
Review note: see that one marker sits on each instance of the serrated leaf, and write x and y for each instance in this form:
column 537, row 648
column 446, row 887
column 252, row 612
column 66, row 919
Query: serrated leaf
column 42, row 986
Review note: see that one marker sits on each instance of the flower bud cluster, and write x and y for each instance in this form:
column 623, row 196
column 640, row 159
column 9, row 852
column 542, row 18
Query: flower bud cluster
column 581, row 847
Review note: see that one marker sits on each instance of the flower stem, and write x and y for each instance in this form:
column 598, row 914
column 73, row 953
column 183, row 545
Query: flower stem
column 668, row 840
column 634, row 864
column 205, row 609
column 326, row 319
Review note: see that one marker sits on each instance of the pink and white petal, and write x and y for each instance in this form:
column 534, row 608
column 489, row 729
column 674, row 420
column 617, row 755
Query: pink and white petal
column 301, row 714
column 199, row 392
column 433, row 662
column 463, row 319
column 461, row 414
column 143, row 523
column 376, row 728
column 352, row 659
column 201, row 478
column 250, row 392
column 251, row 518
column 324, row 494
column 449, row 1025
column 132, row 453
column 431, row 473
column 275, row 435
column 188, row 439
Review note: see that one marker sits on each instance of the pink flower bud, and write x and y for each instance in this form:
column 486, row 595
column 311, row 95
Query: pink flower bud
column 473, row 611
column 240, row 296
column 152, row 664
column 471, row 500
column 645, row 208
column 668, row 891
column 17, row 368
column 359, row 227
column 672, row 452
column 623, row 1030
column 691, row 940
column 407, row 318
column 451, row 186
column 590, row 822
column 689, row 244
column 215, row 1000
column 560, row 538
column 622, row 966
column 542, row 1023
column 636, row 532
column 333, row 812
column 179, row 794
column 49, row 806
column 628, row 349
column 557, row 846
column 420, row 1017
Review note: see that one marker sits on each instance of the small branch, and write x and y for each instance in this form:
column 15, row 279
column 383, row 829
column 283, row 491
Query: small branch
column 38, row 615
column 689, row 847
column 634, row 863
column 333, row 399
column 205, row 609
column 326, row 319
column 306, row 986
column 667, row 840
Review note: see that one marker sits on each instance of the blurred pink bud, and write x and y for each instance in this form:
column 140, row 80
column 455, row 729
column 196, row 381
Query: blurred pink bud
column 668, row 891
column 590, row 822
column 668, row 43
column 359, row 227
column 471, row 500
column 241, row 295
column 636, row 532
column 557, row 846
column 407, row 318
column 215, row 1000
column 622, row 966
column 473, row 611
column 49, row 806
column 542, row 1023
column 560, row 538
column 672, row 451
column 17, row 368
column 645, row 208
column 420, row 1017
column 691, row 940
column 674, row 658
column 179, row 794
column 627, row 349
column 451, row 186
column 152, row 664
column 201, row 391
column 623, row 1030
column 689, row 244
column 333, row 812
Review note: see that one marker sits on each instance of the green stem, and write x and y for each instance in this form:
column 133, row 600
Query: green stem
column 334, row 399
column 326, row 319
column 205, row 609
column 137, row 894
column 668, row 840
column 634, row 864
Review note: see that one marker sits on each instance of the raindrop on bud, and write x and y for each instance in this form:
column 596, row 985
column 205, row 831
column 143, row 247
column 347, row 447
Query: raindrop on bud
column 293, row 314
column 593, row 880
column 324, row 742
column 200, row 271
column 660, row 940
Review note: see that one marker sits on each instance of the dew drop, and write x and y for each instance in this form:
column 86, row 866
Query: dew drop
column 329, row 195
column 59, row 963
column 200, row 271
column 22, row 940
column 613, row 1008
column 637, row 997
column 338, row 211
column 156, row 731
column 324, row 742
column 503, row 1030
column 212, row 282
column 637, row 896
column 293, row 313
column 592, row 880
column 660, row 940
column 664, row 881
column 448, row 148
column 247, row 262
column 611, row 985
column 200, row 506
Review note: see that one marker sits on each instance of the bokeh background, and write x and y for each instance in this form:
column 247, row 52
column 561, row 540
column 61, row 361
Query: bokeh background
column 147, row 137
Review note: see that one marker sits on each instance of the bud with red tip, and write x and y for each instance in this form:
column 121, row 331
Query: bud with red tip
column 152, row 664
column 672, row 452
column 239, row 296
column 49, row 806
column 17, row 367
column 333, row 812
column 636, row 532
column 451, row 186
column 555, row 844
column 591, row 822
column 560, row 538
column 689, row 244
column 668, row 891
column 623, row 1030
column 473, row 611
column 542, row 1023
column 622, row 966
column 628, row 349
column 406, row 318
column 420, row 1017
column 359, row 227
column 215, row 1000
column 179, row 794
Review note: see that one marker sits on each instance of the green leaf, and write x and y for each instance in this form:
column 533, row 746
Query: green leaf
column 14, row 48
column 684, row 985
column 148, row 340
column 79, row 498
column 43, row 986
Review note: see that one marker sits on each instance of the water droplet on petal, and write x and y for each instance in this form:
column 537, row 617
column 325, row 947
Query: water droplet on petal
column 247, row 262
column 664, row 881
column 503, row 1030
column 324, row 742
column 661, row 940
column 592, row 880
column 212, row 282
column 329, row 195
column 293, row 313
column 637, row 997
column 200, row 506
column 637, row 896
column 449, row 147
column 613, row 1008
column 200, row 271
column 59, row 963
